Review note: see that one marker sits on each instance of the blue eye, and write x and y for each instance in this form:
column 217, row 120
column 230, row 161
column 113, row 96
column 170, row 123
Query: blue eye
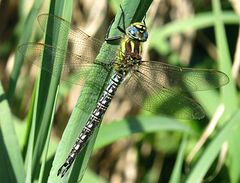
column 133, row 30
column 145, row 35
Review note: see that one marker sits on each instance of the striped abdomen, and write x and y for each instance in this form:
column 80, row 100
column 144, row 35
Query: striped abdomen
column 94, row 120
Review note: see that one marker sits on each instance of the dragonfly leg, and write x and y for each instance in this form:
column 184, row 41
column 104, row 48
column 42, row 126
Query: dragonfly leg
column 117, row 38
column 144, row 18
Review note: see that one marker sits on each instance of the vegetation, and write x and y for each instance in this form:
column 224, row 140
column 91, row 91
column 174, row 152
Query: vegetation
column 131, row 145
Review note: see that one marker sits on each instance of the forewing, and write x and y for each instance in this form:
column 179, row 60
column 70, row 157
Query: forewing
column 154, row 97
column 78, row 41
column 183, row 79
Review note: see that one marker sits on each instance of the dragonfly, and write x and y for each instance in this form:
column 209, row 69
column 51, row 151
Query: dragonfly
column 167, row 84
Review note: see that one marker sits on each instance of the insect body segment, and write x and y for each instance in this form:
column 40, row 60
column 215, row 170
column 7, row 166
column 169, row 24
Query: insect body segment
column 92, row 123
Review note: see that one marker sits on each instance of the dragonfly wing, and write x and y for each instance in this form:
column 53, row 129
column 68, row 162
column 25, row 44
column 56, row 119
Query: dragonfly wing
column 74, row 68
column 154, row 97
column 78, row 41
column 183, row 79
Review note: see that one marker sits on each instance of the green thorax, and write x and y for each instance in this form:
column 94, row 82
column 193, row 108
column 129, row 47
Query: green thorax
column 128, row 54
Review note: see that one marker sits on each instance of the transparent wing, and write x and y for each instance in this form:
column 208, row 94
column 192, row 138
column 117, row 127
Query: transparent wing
column 75, row 68
column 155, row 97
column 183, row 79
column 78, row 41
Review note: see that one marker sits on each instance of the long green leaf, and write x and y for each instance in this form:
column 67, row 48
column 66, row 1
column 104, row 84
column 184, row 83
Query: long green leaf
column 210, row 154
column 44, row 159
column 11, row 162
column 229, row 93
column 47, row 93
column 24, row 37
column 78, row 118
column 199, row 21
column 90, row 176
column 141, row 124
column 176, row 174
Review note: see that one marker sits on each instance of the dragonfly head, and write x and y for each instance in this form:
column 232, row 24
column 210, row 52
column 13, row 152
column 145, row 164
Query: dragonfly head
column 137, row 31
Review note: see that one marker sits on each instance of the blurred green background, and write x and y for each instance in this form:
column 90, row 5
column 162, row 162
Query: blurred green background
column 132, row 145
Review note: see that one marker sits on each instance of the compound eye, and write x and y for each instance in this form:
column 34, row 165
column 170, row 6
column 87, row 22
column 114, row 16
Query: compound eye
column 133, row 31
column 145, row 35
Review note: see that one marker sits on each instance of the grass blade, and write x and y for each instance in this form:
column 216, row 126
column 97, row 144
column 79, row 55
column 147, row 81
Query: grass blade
column 78, row 118
column 11, row 169
column 176, row 174
column 229, row 93
column 24, row 37
column 46, row 95
column 210, row 154
column 140, row 124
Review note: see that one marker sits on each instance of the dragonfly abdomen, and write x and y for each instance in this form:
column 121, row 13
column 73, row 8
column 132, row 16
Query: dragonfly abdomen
column 93, row 121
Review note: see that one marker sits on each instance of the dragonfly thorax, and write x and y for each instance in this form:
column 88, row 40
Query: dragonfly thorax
column 125, row 68
column 128, row 62
column 129, row 56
